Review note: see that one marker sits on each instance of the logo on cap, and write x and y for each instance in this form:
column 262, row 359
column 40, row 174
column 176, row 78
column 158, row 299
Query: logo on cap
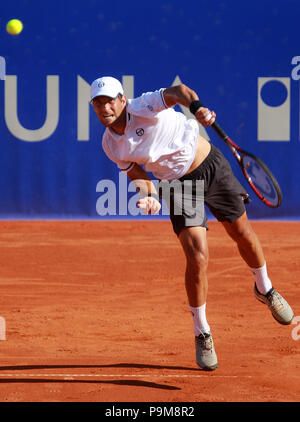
column 101, row 84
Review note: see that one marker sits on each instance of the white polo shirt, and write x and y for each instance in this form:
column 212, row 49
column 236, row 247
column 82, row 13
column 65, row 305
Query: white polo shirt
column 159, row 138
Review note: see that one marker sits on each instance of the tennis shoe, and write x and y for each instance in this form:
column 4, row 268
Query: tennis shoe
column 206, row 357
column 278, row 306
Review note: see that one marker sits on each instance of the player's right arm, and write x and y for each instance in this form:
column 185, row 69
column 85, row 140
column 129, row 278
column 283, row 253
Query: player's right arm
column 145, row 187
column 179, row 94
column 183, row 95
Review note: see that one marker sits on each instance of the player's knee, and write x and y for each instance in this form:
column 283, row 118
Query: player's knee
column 243, row 234
column 196, row 250
column 197, row 260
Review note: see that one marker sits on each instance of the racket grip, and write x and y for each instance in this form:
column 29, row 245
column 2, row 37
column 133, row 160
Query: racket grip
column 217, row 128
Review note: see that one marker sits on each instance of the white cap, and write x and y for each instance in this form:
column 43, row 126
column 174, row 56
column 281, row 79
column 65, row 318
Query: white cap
column 108, row 86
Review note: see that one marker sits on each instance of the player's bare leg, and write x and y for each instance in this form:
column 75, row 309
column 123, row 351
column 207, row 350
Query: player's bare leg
column 251, row 251
column 194, row 243
column 247, row 241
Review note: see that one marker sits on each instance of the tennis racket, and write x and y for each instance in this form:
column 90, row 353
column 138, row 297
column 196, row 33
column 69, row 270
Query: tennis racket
column 257, row 174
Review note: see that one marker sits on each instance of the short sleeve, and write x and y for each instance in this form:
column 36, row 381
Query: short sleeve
column 148, row 104
column 122, row 165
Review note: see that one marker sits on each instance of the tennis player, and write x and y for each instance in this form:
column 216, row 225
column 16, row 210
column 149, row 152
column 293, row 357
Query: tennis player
column 147, row 131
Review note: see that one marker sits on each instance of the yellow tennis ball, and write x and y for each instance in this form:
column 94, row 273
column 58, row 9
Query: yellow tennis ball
column 14, row 26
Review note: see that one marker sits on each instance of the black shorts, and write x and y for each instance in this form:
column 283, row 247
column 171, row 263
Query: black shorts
column 219, row 190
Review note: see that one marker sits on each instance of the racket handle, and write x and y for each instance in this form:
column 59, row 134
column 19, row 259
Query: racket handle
column 217, row 128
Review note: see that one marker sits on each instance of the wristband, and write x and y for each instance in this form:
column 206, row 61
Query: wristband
column 154, row 195
column 195, row 105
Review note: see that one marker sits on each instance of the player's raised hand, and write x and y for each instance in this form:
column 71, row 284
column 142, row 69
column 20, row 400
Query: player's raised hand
column 149, row 205
column 205, row 116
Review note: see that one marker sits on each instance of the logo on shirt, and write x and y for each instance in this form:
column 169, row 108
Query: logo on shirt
column 140, row 132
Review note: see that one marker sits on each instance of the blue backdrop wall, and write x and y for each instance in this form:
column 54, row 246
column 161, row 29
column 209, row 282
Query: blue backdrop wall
column 241, row 58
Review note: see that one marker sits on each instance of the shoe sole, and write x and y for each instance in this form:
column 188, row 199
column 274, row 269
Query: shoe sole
column 208, row 368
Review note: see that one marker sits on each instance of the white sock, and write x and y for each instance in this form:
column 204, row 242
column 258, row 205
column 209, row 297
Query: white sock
column 199, row 318
column 262, row 281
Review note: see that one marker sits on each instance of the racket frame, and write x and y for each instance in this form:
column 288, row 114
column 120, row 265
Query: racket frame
column 239, row 153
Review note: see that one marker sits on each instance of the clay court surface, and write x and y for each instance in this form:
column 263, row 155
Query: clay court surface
column 96, row 311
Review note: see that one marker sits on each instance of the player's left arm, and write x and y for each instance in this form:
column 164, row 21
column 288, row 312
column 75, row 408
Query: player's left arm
column 149, row 202
column 183, row 95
